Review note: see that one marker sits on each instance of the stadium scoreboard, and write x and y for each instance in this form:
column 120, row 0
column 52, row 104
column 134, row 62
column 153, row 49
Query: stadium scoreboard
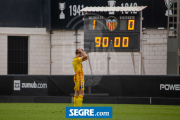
column 116, row 33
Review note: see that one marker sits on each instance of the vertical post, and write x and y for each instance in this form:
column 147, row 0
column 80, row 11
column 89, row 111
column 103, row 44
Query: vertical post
column 89, row 88
column 167, row 39
column 168, row 21
column 89, row 63
column 172, row 41
column 108, row 63
column 140, row 53
column 178, row 32
column 76, row 38
column 132, row 56
column 50, row 52
column 139, row 63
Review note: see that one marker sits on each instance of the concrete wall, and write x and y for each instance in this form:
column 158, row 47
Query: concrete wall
column 155, row 51
column 38, row 53
column 3, row 54
column 63, row 48
column 63, row 51
column 154, row 55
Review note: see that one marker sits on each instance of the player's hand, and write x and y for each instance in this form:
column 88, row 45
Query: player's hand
column 85, row 59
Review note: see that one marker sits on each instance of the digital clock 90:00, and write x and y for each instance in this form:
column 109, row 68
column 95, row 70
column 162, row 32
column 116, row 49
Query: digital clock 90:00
column 117, row 41
column 112, row 42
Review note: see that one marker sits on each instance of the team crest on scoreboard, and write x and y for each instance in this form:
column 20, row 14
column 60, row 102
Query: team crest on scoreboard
column 111, row 23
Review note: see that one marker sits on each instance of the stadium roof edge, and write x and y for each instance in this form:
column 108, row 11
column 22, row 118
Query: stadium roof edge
column 113, row 9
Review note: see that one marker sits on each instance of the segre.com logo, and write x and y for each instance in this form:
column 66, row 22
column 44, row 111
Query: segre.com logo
column 88, row 112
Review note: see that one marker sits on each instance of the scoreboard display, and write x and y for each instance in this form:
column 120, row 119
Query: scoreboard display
column 116, row 33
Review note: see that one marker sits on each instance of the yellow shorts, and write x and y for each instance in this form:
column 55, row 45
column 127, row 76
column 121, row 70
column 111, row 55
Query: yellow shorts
column 79, row 85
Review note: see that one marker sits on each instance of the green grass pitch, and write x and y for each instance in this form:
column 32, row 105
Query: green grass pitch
column 56, row 111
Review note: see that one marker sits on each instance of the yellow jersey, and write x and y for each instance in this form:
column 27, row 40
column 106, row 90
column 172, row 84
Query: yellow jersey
column 77, row 65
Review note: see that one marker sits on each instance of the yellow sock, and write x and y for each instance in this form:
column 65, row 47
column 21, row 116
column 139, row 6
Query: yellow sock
column 80, row 100
column 75, row 100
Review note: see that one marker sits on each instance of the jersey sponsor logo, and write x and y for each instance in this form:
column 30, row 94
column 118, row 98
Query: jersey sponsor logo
column 88, row 112
column 111, row 23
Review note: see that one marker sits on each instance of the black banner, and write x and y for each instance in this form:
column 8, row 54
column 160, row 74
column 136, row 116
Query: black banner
column 30, row 85
column 65, row 14
column 6, row 85
column 60, row 85
column 113, row 85
column 139, row 86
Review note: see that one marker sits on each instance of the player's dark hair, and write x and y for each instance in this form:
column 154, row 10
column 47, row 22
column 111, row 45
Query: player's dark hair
column 77, row 51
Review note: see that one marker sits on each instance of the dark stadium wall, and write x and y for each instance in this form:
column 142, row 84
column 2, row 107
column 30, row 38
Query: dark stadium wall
column 25, row 13
column 46, row 13
column 154, row 15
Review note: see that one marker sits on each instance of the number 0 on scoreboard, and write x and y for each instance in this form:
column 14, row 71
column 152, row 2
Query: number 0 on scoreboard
column 131, row 24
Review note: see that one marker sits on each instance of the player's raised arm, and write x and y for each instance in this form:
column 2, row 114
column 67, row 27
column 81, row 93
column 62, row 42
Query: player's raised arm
column 85, row 57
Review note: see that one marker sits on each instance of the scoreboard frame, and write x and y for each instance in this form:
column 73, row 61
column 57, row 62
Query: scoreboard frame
column 132, row 46
column 105, row 39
